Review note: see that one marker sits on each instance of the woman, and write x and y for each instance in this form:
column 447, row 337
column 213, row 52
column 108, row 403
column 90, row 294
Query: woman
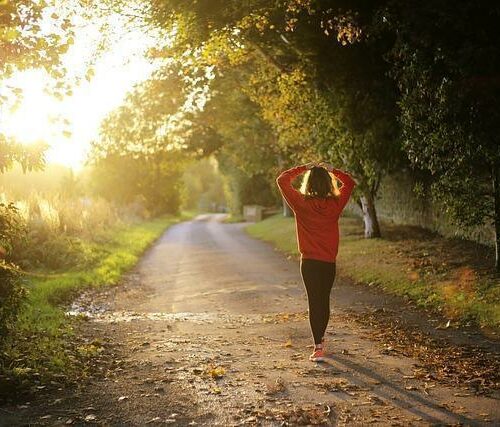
column 317, row 209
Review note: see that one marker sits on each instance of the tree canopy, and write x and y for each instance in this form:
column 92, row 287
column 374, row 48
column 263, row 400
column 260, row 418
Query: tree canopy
column 372, row 87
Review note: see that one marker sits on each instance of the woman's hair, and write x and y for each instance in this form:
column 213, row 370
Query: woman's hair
column 318, row 182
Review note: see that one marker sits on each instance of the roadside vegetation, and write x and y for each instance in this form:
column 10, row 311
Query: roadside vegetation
column 40, row 346
column 450, row 276
column 60, row 234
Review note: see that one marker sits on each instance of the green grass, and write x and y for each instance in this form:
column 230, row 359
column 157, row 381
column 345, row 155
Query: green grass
column 394, row 265
column 42, row 340
column 231, row 218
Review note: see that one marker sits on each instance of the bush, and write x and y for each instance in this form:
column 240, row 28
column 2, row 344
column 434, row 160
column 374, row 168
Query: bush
column 12, row 294
column 57, row 231
column 11, row 290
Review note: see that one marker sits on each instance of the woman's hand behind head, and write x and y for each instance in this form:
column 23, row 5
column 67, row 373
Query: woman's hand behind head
column 326, row 165
column 311, row 165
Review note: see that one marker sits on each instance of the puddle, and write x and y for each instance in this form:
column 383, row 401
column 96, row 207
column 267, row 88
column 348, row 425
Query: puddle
column 102, row 314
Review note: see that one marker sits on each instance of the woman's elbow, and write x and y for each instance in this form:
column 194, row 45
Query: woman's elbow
column 280, row 180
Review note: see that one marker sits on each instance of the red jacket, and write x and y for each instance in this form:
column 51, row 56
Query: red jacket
column 316, row 219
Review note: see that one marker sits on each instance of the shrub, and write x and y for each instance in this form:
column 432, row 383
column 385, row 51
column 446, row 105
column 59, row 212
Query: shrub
column 11, row 290
column 12, row 295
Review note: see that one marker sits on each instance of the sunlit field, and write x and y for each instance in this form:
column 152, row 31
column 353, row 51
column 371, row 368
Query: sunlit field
column 156, row 158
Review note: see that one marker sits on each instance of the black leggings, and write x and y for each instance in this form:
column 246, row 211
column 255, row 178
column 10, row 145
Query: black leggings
column 318, row 277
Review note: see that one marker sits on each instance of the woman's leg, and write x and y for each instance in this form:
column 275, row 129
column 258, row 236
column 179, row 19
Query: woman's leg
column 318, row 277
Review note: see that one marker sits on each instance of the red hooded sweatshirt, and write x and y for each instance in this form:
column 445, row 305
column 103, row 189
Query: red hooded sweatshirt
column 316, row 219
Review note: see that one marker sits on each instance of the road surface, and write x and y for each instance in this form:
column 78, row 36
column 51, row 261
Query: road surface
column 211, row 328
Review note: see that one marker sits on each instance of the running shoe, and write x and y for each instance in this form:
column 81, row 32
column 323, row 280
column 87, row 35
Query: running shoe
column 318, row 355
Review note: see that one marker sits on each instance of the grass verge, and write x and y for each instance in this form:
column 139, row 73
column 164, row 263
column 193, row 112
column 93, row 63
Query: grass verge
column 446, row 275
column 231, row 218
column 42, row 347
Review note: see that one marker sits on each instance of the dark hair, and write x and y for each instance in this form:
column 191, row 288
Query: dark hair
column 319, row 183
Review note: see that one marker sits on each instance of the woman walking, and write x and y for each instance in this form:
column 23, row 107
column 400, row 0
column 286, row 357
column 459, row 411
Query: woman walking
column 317, row 208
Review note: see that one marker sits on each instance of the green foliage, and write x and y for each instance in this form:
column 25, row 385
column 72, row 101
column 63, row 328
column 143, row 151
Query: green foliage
column 449, row 93
column 12, row 295
column 313, row 97
column 202, row 186
column 144, row 123
column 11, row 229
column 153, row 182
column 12, row 292
column 24, row 44
column 30, row 157
column 138, row 158
column 247, row 154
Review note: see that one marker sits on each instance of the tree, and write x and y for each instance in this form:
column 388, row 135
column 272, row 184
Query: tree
column 152, row 181
column 25, row 45
column 446, row 58
column 29, row 157
column 139, row 153
column 347, row 104
column 246, row 153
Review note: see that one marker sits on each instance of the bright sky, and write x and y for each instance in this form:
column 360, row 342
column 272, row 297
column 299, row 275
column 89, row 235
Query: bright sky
column 115, row 72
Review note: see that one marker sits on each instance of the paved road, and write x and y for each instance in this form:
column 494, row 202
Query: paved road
column 206, row 265
column 211, row 329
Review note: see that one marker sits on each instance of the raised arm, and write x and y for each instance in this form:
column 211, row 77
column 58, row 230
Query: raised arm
column 348, row 185
column 284, row 181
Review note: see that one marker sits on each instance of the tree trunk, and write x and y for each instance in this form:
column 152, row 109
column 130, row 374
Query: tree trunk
column 287, row 212
column 496, row 198
column 372, row 228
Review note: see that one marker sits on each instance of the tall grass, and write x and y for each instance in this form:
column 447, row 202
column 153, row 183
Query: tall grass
column 56, row 228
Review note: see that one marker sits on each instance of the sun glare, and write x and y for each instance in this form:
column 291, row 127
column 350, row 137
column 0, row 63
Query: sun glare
column 31, row 120
column 68, row 125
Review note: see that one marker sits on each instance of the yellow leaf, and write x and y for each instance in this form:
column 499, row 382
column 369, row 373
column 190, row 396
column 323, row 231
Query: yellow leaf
column 10, row 34
column 217, row 372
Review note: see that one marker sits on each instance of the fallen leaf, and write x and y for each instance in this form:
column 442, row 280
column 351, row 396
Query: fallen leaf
column 217, row 372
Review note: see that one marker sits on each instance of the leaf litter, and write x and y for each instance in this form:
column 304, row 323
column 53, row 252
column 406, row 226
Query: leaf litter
column 442, row 361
